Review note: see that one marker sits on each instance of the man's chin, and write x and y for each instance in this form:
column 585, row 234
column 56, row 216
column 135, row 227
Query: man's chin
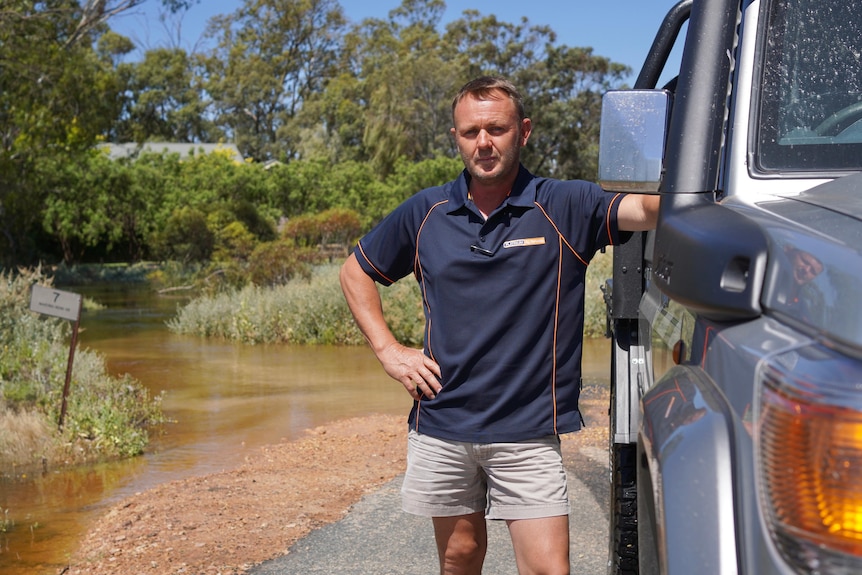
column 489, row 176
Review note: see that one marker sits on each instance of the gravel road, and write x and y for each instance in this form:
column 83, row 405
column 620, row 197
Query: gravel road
column 377, row 538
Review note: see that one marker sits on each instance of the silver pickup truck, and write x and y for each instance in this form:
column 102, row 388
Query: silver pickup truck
column 736, row 403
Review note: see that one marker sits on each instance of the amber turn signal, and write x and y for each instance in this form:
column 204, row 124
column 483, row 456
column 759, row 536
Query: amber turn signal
column 811, row 459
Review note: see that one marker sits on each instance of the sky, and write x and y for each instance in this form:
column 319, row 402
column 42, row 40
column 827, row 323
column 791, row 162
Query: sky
column 621, row 30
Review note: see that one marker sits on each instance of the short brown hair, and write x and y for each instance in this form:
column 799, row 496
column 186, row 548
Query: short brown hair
column 482, row 88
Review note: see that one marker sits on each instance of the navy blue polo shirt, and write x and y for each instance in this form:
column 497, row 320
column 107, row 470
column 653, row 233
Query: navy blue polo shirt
column 503, row 301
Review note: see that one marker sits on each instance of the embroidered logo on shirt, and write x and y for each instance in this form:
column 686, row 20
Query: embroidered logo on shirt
column 524, row 242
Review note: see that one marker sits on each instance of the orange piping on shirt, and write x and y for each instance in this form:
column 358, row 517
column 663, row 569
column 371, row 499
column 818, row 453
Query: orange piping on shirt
column 560, row 235
column 417, row 271
column 562, row 242
column 381, row 274
column 608, row 218
column 556, row 328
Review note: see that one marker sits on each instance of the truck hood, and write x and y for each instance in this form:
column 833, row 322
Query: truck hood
column 842, row 195
column 814, row 270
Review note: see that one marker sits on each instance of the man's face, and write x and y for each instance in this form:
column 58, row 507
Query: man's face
column 489, row 136
column 805, row 267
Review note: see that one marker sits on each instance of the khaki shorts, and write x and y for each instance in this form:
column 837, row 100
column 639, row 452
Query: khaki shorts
column 523, row 480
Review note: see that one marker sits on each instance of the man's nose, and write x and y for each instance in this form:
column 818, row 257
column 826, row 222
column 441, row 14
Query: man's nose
column 484, row 139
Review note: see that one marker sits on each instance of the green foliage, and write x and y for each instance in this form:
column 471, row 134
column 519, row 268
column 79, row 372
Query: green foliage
column 259, row 225
column 408, row 118
column 110, row 417
column 52, row 108
column 174, row 275
column 337, row 226
column 311, row 186
column 566, row 111
column 164, row 100
column 234, row 243
column 91, row 204
column 276, row 263
column 284, row 80
column 600, row 270
column 259, row 75
column 402, row 306
column 85, row 274
column 186, row 237
column 106, row 417
column 304, row 311
column 303, row 230
column 410, row 177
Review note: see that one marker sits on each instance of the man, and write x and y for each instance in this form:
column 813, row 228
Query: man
column 500, row 256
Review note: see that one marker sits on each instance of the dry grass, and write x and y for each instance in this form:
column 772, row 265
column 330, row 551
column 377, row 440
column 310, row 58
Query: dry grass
column 25, row 438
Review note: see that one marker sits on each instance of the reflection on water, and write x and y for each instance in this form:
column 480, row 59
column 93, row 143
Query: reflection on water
column 228, row 397
column 225, row 400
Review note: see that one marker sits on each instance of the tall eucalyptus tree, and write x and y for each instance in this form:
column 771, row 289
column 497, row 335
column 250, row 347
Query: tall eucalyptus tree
column 58, row 95
column 165, row 100
column 271, row 56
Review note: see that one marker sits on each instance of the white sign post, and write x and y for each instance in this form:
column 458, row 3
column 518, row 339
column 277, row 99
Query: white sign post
column 65, row 305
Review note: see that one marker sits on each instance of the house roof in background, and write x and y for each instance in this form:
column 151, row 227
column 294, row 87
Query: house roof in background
column 130, row 150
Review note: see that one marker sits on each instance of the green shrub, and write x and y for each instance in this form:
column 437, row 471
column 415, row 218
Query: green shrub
column 304, row 311
column 106, row 417
column 332, row 226
column 276, row 263
column 233, row 242
column 303, row 230
column 339, row 226
column 186, row 237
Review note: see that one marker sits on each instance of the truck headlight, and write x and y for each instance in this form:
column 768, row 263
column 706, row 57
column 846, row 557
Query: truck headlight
column 810, row 447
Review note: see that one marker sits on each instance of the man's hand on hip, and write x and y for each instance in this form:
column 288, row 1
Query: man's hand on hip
column 418, row 373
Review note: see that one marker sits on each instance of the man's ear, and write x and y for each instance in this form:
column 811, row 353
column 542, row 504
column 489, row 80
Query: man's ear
column 526, row 130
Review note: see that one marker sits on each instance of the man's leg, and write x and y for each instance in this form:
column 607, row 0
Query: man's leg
column 541, row 545
column 528, row 488
column 461, row 543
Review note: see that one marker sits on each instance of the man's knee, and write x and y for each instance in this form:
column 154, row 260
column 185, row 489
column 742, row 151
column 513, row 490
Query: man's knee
column 541, row 545
column 461, row 544
column 462, row 549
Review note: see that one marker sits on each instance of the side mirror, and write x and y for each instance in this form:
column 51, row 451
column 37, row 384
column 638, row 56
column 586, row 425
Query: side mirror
column 631, row 144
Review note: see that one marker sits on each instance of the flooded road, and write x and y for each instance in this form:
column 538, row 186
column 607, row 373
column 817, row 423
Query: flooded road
column 224, row 400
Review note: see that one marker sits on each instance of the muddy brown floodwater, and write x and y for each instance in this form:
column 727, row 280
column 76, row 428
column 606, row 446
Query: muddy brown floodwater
column 226, row 400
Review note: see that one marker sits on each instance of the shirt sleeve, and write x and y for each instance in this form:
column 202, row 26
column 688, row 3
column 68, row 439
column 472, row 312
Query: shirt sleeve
column 387, row 252
column 587, row 214
column 611, row 235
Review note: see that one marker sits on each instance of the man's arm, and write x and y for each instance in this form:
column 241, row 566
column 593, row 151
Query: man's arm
column 638, row 213
column 406, row 365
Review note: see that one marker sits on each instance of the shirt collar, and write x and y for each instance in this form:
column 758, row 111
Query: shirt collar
column 523, row 191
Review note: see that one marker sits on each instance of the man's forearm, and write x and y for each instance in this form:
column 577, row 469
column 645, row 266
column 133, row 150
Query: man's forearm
column 638, row 213
column 363, row 299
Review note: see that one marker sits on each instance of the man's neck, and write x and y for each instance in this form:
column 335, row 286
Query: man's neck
column 488, row 198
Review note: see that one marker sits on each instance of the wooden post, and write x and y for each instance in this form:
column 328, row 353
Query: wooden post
column 68, row 373
column 65, row 305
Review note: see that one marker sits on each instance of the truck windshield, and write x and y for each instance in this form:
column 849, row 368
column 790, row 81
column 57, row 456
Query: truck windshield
column 810, row 113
